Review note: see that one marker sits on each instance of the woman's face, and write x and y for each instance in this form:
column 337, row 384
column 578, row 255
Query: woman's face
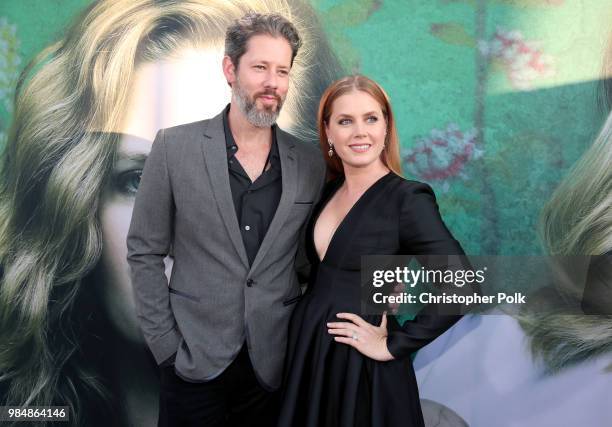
column 165, row 93
column 357, row 130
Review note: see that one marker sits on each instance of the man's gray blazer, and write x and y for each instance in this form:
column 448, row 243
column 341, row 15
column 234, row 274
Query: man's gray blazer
column 215, row 300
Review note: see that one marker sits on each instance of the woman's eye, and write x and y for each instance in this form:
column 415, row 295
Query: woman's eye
column 128, row 182
column 372, row 119
column 344, row 121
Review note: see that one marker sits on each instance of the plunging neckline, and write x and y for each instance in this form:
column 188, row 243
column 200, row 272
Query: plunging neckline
column 343, row 220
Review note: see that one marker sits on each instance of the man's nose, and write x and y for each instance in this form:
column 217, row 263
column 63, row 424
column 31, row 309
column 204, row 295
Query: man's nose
column 271, row 80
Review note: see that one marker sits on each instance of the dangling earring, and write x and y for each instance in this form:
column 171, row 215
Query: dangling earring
column 330, row 153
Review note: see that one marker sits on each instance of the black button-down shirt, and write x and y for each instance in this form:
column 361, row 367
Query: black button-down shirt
column 255, row 202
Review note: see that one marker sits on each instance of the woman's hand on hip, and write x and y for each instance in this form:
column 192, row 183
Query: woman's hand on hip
column 369, row 340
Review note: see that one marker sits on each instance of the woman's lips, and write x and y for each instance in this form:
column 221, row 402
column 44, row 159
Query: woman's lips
column 360, row 148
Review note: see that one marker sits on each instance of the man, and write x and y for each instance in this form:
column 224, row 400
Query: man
column 230, row 195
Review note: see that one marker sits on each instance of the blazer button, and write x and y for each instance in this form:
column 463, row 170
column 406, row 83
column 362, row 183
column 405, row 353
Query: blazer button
column 250, row 282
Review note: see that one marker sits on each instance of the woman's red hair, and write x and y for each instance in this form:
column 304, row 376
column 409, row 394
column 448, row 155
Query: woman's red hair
column 390, row 155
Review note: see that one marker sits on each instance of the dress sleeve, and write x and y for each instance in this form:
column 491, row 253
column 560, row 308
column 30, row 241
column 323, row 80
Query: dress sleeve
column 423, row 233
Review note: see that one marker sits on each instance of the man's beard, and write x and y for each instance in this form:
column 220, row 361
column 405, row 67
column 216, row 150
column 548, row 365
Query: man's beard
column 258, row 118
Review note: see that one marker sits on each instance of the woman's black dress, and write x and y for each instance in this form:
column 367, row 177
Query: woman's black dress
column 329, row 383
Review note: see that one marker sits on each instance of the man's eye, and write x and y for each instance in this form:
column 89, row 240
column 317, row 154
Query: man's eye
column 260, row 67
column 128, row 182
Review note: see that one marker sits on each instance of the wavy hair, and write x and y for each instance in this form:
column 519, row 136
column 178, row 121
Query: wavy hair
column 59, row 153
column 576, row 221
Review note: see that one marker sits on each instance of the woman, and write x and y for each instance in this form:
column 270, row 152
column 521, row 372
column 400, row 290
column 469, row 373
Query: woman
column 86, row 112
column 343, row 369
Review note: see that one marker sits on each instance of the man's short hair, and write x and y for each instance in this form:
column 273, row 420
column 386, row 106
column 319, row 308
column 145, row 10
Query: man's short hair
column 253, row 24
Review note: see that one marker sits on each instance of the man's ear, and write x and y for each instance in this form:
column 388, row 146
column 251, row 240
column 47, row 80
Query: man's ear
column 229, row 70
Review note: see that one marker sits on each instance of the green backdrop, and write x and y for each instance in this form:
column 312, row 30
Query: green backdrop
column 495, row 99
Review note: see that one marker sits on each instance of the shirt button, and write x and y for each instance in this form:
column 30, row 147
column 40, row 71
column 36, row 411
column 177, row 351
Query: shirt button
column 247, row 227
column 234, row 147
column 250, row 282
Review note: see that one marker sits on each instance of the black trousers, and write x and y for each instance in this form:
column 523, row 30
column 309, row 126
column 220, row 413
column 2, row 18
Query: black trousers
column 234, row 398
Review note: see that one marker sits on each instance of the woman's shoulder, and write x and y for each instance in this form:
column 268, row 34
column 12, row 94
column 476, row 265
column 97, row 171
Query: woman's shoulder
column 409, row 188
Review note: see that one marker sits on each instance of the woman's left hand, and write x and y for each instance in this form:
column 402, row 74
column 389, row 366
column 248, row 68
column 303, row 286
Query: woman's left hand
column 369, row 340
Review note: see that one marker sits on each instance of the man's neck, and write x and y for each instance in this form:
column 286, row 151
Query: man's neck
column 244, row 132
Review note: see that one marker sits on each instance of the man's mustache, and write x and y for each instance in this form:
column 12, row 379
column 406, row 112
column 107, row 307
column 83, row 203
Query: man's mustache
column 269, row 93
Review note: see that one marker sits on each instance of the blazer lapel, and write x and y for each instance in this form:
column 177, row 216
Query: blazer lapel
column 289, row 182
column 215, row 157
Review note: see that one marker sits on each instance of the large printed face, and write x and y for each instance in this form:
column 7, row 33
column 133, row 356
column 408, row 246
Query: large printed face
column 357, row 130
column 164, row 94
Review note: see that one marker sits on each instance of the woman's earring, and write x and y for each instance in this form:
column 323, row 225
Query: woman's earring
column 330, row 153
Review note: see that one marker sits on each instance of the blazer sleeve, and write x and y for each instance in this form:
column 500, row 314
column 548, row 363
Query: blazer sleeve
column 423, row 233
column 149, row 241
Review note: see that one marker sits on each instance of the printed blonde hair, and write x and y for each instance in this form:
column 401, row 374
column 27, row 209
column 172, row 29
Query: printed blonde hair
column 576, row 221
